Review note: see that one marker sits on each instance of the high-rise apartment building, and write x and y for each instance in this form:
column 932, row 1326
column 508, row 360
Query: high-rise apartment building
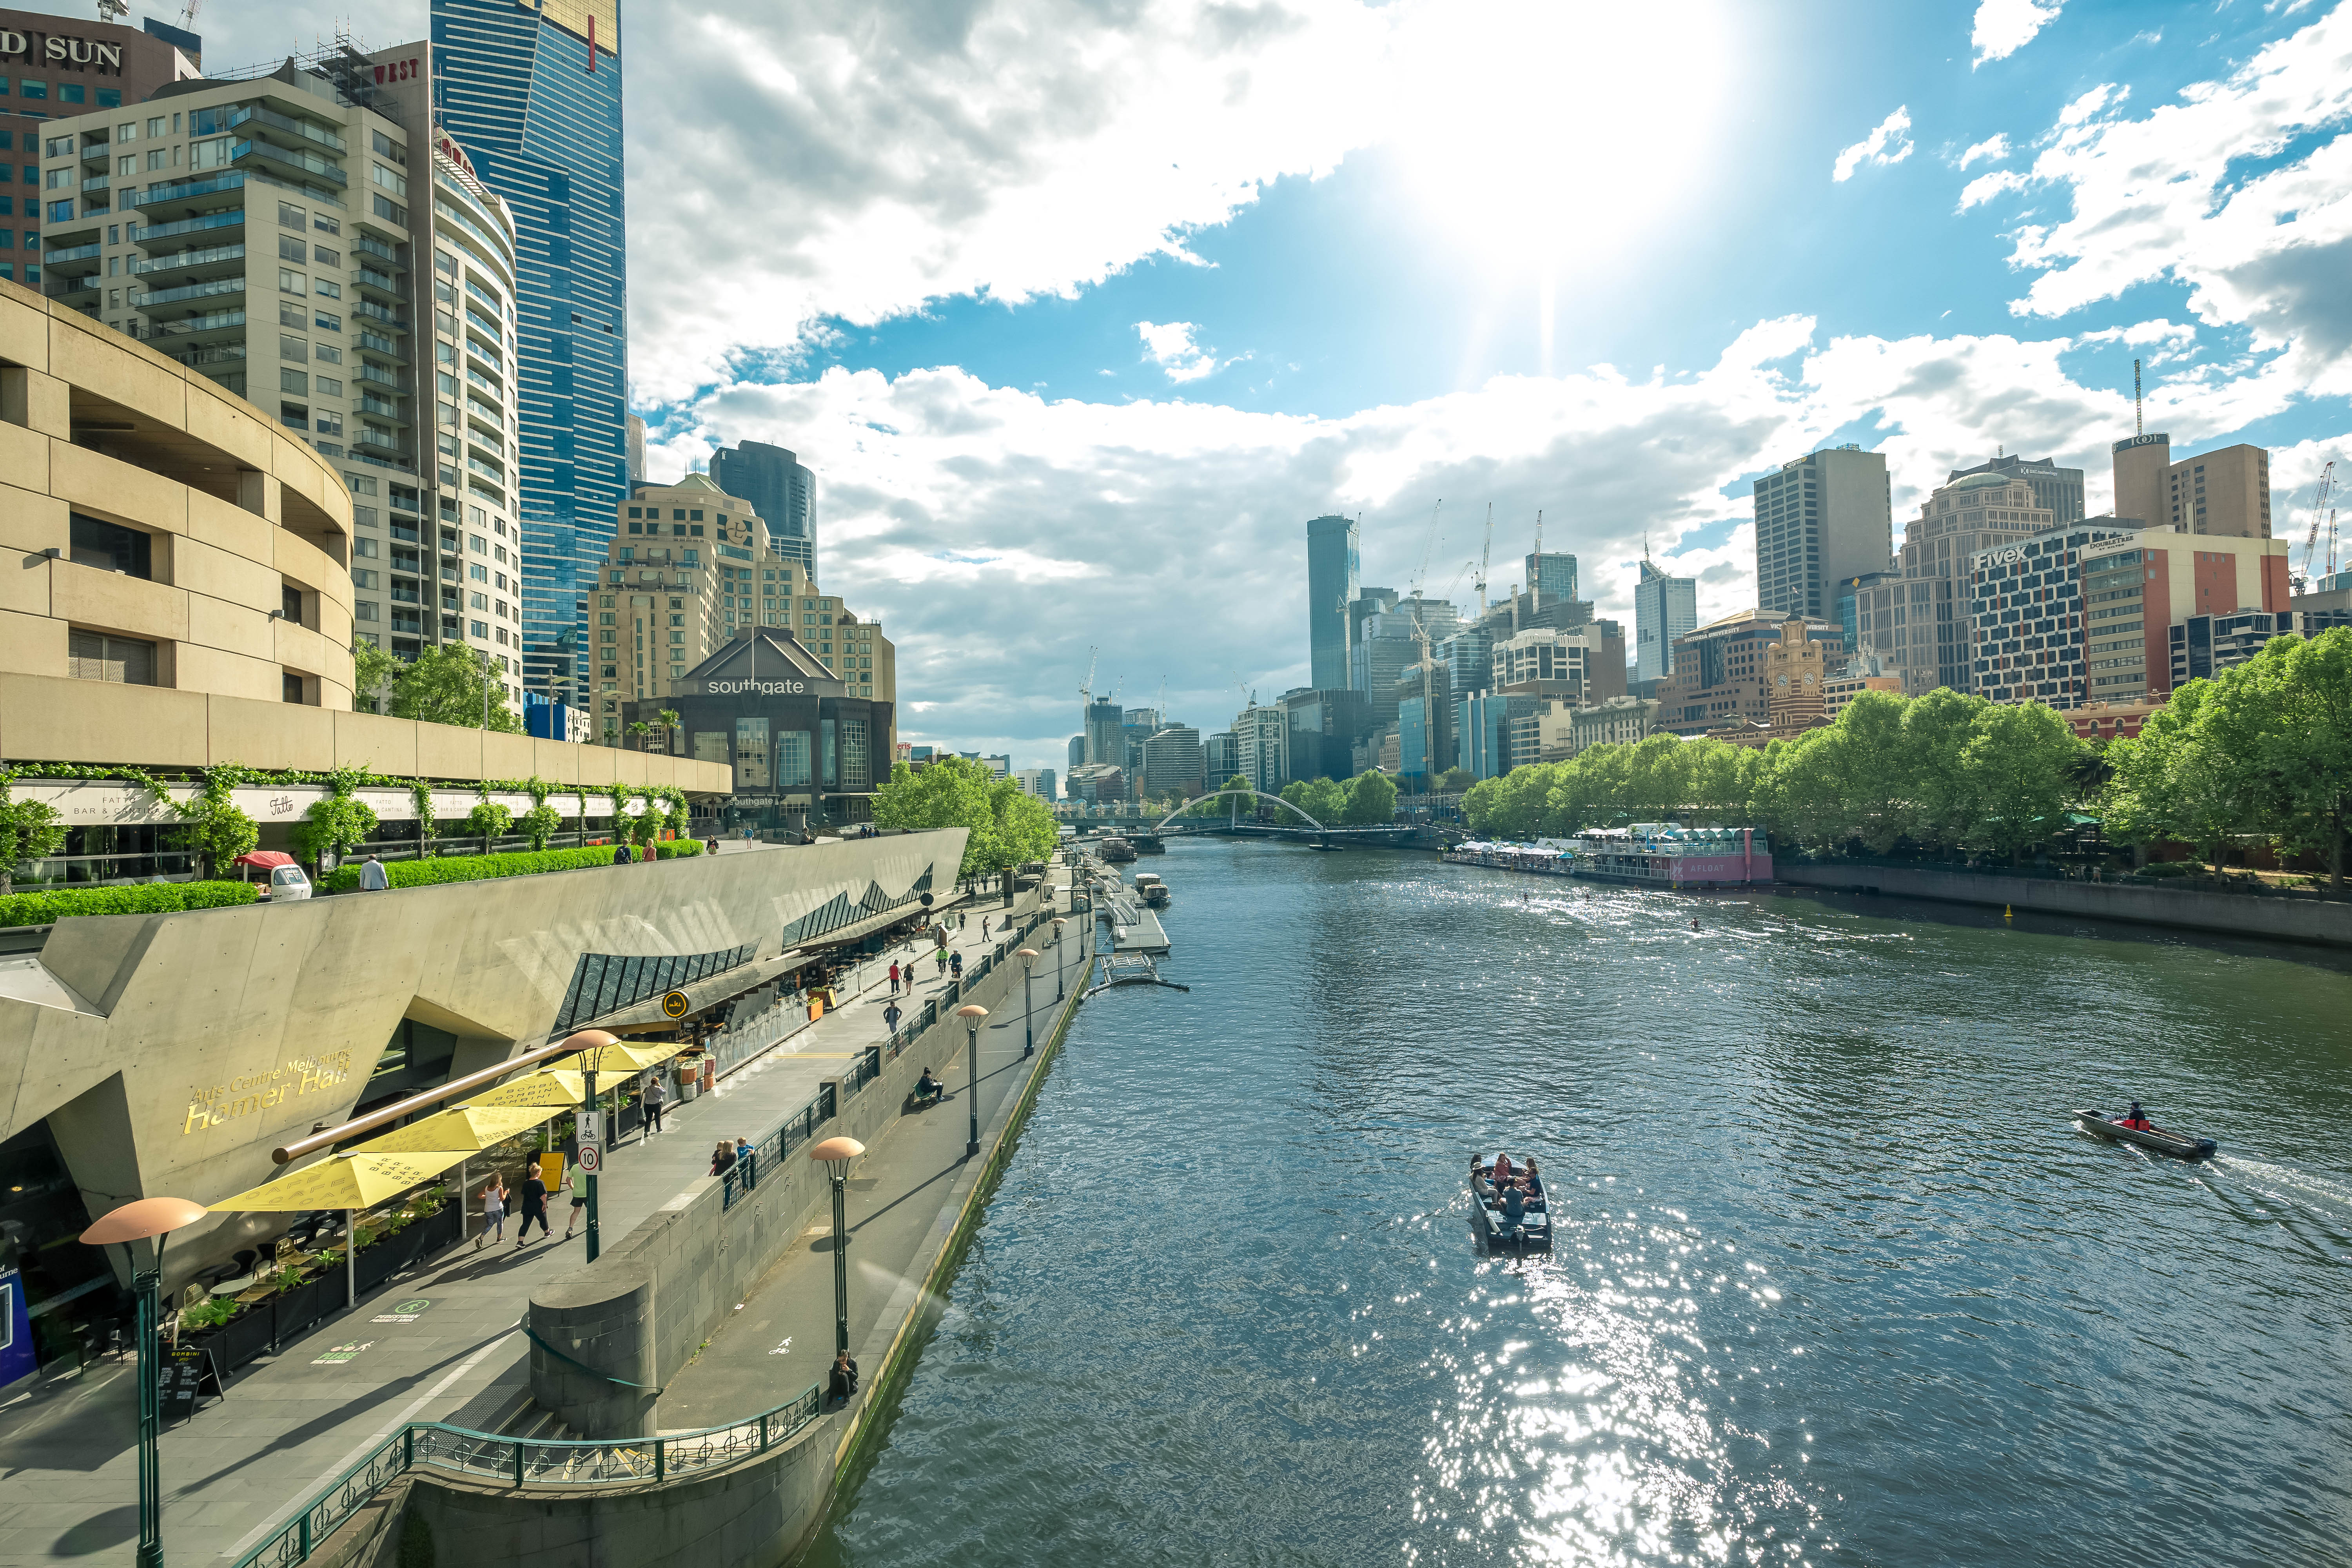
column 688, row 568
column 1331, row 571
column 1821, row 517
column 1367, row 603
column 2141, row 590
column 1171, row 763
column 1666, row 610
column 781, row 487
column 1262, row 747
column 2056, row 490
column 2224, row 492
column 1077, row 758
column 1039, row 782
column 533, row 93
column 54, row 67
column 289, row 236
column 1106, row 742
column 2025, row 615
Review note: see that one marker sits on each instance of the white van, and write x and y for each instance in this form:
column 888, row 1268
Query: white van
column 286, row 883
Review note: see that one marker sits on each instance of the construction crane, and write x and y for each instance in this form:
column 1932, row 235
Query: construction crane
column 1160, row 706
column 188, row 15
column 1485, row 550
column 2320, row 511
column 112, row 10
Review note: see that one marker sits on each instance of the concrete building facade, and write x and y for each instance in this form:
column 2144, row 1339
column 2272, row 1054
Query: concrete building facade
column 1719, row 674
column 2136, row 589
column 1262, row 746
column 2056, row 490
column 1820, row 517
column 1171, row 763
column 2225, row 492
column 1039, row 782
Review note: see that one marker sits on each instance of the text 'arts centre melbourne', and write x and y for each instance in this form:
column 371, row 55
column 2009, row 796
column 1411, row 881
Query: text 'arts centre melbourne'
column 803, row 750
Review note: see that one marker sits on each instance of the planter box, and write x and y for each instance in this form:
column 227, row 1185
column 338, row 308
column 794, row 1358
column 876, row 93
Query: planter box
column 247, row 1336
column 297, row 1308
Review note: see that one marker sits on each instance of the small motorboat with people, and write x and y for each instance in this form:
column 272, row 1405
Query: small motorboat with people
column 2134, row 1127
column 1508, row 1208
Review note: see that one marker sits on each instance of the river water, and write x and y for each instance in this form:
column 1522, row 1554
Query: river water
column 1837, row 1282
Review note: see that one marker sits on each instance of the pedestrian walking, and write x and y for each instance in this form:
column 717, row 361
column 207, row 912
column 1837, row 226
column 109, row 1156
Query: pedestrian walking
column 963, row 919
column 652, row 1100
column 894, row 977
column 494, row 1210
column 890, row 1016
column 983, row 928
column 579, row 1201
column 374, row 877
column 533, row 1207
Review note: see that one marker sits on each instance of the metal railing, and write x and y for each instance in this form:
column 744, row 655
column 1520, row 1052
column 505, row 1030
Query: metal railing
column 521, row 1462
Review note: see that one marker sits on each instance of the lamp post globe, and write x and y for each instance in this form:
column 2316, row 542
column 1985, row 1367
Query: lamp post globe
column 1028, row 956
column 139, row 1221
column 834, row 1154
column 971, row 1013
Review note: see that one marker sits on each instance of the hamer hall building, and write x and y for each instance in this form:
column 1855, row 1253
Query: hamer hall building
column 806, row 753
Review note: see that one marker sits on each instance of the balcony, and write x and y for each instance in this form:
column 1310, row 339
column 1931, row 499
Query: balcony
column 73, row 253
column 212, row 262
column 190, row 197
column 153, row 233
column 382, row 408
column 381, row 443
column 217, row 323
column 207, row 289
column 403, row 592
column 369, row 277
column 490, row 471
column 96, row 151
column 218, row 353
column 486, row 383
column 376, row 375
column 375, row 313
column 256, row 121
column 369, row 245
column 370, row 343
column 297, row 163
column 72, row 291
column 96, row 183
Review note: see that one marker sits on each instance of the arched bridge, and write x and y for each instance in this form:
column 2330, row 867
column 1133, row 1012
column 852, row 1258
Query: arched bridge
column 1313, row 829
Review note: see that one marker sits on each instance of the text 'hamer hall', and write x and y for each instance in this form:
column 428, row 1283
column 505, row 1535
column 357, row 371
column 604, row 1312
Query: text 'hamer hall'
column 805, row 754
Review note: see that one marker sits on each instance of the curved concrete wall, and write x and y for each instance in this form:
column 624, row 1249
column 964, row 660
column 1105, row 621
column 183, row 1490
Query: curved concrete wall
column 171, row 1053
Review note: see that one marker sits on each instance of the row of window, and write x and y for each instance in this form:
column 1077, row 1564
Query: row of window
column 66, row 92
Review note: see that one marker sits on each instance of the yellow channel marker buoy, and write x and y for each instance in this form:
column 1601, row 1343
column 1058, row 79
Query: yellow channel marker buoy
column 2005, row 912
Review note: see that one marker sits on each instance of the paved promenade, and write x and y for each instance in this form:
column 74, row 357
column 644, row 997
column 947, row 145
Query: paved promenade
column 292, row 1423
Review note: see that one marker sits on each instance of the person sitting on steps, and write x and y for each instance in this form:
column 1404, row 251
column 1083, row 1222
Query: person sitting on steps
column 928, row 1088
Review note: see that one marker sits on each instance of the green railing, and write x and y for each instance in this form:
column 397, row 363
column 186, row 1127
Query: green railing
column 520, row 1462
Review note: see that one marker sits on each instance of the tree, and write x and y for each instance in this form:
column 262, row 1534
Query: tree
column 2019, row 766
column 1218, row 802
column 29, row 830
column 2284, row 719
column 1454, row 781
column 1371, row 800
column 953, row 792
column 216, row 830
column 1023, row 829
column 489, row 822
column 1936, row 728
column 340, row 823
column 450, row 683
column 373, row 673
column 671, row 719
column 2170, row 781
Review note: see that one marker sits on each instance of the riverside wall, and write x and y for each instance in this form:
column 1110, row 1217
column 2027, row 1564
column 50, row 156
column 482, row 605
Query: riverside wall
column 2309, row 920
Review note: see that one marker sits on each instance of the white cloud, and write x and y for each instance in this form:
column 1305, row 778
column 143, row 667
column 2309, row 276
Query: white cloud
column 2194, row 192
column 1889, row 143
column 1170, row 345
column 834, row 159
column 1984, row 187
column 2004, row 27
column 1992, row 149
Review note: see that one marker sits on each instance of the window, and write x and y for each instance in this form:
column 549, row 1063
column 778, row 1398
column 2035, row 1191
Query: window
column 110, row 547
column 101, row 655
column 32, row 89
column 479, row 573
column 289, row 214
column 291, row 283
column 328, row 322
column 294, row 349
column 291, row 249
column 110, row 97
column 61, row 212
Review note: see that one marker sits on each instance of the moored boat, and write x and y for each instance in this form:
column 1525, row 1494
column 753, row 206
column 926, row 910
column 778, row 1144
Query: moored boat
column 2180, row 1146
column 1154, row 890
column 1115, row 850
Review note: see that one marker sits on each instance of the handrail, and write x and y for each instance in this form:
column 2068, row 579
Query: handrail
column 525, row 1462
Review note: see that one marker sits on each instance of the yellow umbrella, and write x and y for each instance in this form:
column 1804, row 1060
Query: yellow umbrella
column 350, row 1182
column 470, row 1127
column 556, row 1089
column 615, row 1058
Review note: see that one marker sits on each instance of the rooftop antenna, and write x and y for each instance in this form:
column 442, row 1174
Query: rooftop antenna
column 1535, row 571
column 2139, row 426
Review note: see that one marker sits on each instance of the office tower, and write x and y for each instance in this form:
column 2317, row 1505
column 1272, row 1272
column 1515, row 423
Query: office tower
column 1077, row 754
column 535, row 96
column 2056, row 490
column 1915, row 617
column 1827, row 515
column 1262, row 747
column 2225, row 492
column 637, row 450
column 1389, row 641
column 261, row 231
column 1221, row 757
column 2026, row 615
column 1106, row 744
column 1324, row 727
column 1171, row 763
column 1551, row 577
column 780, row 486
column 1367, row 603
column 1039, row 782
column 1331, row 570
column 1666, row 610
column 2150, row 597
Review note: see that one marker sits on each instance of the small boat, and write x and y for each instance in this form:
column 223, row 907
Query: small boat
column 1486, row 1218
column 2178, row 1145
column 1154, row 890
column 1115, row 850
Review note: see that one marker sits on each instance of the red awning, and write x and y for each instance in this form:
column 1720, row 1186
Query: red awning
column 264, row 860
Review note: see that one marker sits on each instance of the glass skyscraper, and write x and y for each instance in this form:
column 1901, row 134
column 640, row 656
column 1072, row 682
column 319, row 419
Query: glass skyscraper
column 782, row 491
column 1331, row 570
column 534, row 94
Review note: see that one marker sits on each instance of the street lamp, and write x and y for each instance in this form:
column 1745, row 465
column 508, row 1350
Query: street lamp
column 971, row 1013
column 1028, row 955
column 1060, row 966
column 156, row 1218
column 588, row 1126
column 836, row 1153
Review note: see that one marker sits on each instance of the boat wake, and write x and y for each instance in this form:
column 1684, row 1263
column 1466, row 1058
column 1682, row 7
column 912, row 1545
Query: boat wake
column 2321, row 1198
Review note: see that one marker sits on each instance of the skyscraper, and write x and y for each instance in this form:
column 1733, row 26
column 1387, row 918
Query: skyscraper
column 1551, row 577
column 2056, row 490
column 1827, row 515
column 781, row 487
column 535, row 96
column 1331, row 570
column 1664, row 608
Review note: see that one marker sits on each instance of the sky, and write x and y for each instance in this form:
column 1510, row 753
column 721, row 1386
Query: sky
column 1080, row 308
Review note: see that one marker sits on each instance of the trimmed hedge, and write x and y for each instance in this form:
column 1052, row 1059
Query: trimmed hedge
column 138, row 899
column 676, row 849
column 446, row 868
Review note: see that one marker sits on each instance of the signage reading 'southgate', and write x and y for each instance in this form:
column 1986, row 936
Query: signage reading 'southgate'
column 765, row 687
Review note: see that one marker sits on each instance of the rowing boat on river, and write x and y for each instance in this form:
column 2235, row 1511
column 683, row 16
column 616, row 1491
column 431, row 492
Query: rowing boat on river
column 1495, row 1231
column 2155, row 1139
